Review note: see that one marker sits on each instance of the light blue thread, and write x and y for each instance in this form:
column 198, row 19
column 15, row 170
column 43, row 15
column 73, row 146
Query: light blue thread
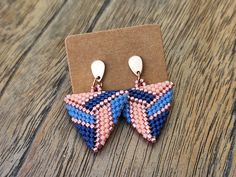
column 76, row 113
column 165, row 99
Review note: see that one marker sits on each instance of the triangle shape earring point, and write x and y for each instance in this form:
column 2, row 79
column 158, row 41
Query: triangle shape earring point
column 148, row 108
column 95, row 114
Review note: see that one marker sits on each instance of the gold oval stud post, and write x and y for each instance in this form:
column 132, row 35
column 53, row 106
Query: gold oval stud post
column 136, row 65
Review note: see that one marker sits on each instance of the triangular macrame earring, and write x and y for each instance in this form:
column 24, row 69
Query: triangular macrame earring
column 148, row 106
column 95, row 113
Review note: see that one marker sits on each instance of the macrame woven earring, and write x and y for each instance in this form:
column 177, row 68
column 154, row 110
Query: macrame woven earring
column 148, row 105
column 95, row 113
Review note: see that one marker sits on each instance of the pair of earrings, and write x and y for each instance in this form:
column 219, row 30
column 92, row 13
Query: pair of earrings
column 145, row 107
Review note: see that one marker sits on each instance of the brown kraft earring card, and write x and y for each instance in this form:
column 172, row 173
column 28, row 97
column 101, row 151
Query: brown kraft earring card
column 114, row 48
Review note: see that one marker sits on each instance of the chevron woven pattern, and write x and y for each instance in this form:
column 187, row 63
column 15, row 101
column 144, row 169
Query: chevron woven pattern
column 148, row 108
column 95, row 114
